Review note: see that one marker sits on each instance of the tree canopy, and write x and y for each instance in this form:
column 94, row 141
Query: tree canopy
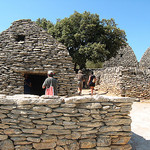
column 86, row 37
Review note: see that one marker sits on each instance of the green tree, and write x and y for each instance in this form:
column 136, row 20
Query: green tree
column 45, row 24
column 88, row 38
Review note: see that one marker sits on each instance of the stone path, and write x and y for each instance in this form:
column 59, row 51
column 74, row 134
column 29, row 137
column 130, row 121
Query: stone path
column 140, row 126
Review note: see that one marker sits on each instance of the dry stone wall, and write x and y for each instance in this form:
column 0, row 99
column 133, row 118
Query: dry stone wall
column 108, row 80
column 58, row 123
column 26, row 48
column 129, row 82
column 125, row 57
column 123, row 75
column 145, row 60
column 136, row 83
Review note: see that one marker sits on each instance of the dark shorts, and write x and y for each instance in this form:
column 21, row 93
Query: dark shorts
column 92, row 84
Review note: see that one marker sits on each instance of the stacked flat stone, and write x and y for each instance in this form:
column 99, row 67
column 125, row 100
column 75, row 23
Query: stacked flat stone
column 121, row 81
column 145, row 60
column 125, row 57
column 108, row 80
column 57, row 123
column 122, row 75
column 136, row 83
column 27, row 48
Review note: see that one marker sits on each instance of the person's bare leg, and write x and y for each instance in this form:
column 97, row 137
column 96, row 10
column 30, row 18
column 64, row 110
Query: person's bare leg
column 92, row 91
column 80, row 91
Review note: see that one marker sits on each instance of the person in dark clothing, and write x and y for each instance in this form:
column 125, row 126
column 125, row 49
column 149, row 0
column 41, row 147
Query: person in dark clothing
column 27, row 85
column 91, row 82
column 81, row 79
column 50, row 82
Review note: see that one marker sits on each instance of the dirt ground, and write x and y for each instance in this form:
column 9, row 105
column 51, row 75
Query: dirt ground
column 140, row 126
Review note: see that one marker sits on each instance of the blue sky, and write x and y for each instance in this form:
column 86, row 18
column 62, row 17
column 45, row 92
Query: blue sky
column 133, row 16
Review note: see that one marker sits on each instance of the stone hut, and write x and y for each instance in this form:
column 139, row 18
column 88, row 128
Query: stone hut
column 125, row 58
column 27, row 49
column 123, row 77
column 145, row 60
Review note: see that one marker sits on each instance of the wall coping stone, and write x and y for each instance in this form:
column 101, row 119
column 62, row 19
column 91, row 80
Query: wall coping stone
column 98, row 98
column 34, row 99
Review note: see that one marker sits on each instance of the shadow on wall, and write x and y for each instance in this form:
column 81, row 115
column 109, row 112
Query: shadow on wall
column 139, row 143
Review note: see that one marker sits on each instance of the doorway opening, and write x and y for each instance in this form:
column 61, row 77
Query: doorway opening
column 33, row 84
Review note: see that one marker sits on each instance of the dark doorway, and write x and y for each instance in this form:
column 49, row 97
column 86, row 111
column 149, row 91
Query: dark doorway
column 36, row 84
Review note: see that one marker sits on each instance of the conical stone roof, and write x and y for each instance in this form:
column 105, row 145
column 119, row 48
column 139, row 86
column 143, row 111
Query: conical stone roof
column 125, row 58
column 145, row 60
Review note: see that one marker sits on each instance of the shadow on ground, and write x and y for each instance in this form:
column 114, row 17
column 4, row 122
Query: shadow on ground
column 139, row 143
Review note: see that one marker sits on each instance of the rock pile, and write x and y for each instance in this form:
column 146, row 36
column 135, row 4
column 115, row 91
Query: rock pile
column 57, row 123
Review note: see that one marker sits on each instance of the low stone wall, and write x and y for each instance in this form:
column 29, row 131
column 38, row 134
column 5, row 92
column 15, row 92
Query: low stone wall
column 128, row 82
column 136, row 83
column 58, row 123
